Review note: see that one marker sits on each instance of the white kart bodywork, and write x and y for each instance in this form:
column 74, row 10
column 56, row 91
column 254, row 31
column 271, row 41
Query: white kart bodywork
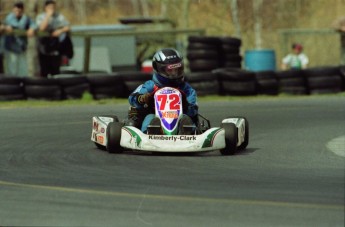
column 132, row 138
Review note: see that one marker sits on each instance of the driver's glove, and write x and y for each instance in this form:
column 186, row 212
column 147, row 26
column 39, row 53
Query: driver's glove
column 144, row 99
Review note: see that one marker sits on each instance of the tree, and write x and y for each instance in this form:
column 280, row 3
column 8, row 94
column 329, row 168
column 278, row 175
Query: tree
column 257, row 5
column 235, row 19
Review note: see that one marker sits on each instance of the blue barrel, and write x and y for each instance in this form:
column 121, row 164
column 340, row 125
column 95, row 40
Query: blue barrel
column 260, row 60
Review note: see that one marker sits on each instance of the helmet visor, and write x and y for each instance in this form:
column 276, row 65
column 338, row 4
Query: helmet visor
column 174, row 71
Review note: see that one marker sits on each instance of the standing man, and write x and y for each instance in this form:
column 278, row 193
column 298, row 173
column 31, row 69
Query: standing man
column 295, row 60
column 15, row 46
column 57, row 26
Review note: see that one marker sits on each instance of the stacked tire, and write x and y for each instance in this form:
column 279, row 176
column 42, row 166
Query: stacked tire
column 267, row 82
column 292, row 82
column 322, row 80
column 230, row 52
column 73, row 86
column 133, row 79
column 206, row 53
column 11, row 88
column 236, row 82
column 204, row 83
column 42, row 88
column 203, row 53
column 342, row 74
column 103, row 86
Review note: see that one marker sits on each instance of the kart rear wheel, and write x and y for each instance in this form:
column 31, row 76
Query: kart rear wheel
column 231, row 137
column 246, row 135
column 113, row 137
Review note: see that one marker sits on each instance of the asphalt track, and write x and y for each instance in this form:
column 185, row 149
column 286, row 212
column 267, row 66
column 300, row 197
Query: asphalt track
column 292, row 173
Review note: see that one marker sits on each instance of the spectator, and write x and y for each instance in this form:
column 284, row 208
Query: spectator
column 15, row 46
column 295, row 60
column 2, row 29
column 57, row 26
column 339, row 26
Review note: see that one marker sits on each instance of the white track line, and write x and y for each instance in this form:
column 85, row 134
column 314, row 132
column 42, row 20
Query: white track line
column 337, row 146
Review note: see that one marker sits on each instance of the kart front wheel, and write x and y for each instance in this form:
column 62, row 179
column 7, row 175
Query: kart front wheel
column 114, row 137
column 231, row 137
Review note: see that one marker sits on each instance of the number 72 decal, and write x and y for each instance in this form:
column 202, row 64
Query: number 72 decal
column 171, row 99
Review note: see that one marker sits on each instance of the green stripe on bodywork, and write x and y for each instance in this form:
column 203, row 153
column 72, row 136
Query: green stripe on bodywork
column 134, row 135
column 208, row 141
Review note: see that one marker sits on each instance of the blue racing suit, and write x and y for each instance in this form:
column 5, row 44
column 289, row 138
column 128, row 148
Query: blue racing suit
column 152, row 85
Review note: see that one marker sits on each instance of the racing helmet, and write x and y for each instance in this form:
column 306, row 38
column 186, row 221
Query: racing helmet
column 168, row 64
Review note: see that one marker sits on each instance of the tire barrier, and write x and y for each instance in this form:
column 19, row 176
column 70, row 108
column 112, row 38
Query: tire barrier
column 206, row 53
column 221, row 81
column 230, row 52
column 73, row 86
column 292, row 82
column 133, row 79
column 11, row 88
column 267, row 83
column 42, row 88
column 204, row 83
column 236, row 82
column 322, row 80
column 106, row 86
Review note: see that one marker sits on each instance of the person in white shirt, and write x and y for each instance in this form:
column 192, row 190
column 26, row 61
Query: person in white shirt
column 295, row 60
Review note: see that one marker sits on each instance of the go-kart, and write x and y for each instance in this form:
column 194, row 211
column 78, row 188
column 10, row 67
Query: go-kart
column 108, row 133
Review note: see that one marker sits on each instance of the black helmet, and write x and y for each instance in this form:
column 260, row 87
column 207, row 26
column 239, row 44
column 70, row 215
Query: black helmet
column 168, row 64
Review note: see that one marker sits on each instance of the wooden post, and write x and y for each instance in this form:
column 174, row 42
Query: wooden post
column 87, row 50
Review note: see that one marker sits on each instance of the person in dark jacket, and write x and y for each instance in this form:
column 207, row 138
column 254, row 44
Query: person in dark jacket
column 168, row 71
column 57, row 26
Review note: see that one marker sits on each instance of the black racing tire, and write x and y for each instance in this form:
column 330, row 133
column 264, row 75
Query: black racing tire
column 234, row 74
column 231, row 41
column 267, row 82
column 104, row 79
column 11, row 80
column 132, row 80
column 40, row 81
column 113, row 134
column 202, row 54
column 230, row 49
column 11, row 89
column 328, row 81
column 76, row 91
column 111, row 91
column 231, row 138
column 45, row 92
column 241, row 88
column 66, row 80
column 232, row 58
column 293, row 90
column 203, row 65
column 201, row 46
column 234, row 64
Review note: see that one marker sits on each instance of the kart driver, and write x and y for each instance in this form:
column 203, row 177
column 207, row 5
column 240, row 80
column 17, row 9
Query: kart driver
column 168, row 70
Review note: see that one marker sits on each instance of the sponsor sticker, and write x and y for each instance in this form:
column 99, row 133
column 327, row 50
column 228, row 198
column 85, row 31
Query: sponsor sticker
column 100, row 139
column 172, row 138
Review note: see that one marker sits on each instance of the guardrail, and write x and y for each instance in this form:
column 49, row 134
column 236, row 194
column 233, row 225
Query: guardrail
column 138, row 34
